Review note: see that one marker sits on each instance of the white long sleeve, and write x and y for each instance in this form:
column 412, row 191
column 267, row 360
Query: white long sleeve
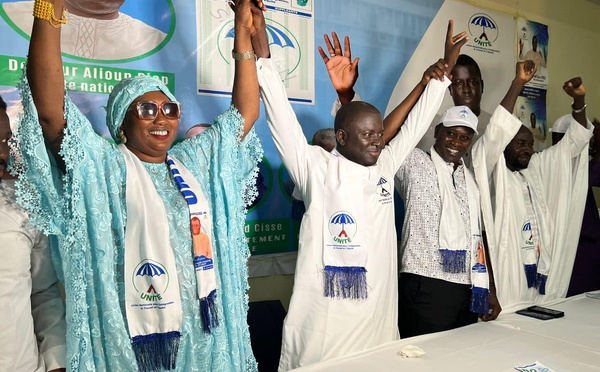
column 32, row 324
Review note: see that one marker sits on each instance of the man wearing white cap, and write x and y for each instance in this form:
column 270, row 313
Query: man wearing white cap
column 534, row 204
column 443, row 261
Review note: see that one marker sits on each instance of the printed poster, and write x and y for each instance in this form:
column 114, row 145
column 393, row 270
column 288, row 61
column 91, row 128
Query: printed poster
column 290, row 29
column 532, row 44
column 530, row 108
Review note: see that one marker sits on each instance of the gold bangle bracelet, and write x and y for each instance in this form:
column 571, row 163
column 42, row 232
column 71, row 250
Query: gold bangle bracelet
column 242, row 56
column 43, row 9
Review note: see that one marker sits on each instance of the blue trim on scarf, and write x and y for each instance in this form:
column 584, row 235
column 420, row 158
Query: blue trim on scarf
column 480, row 300
column 453, row 261
column 541, row 283
column 530, row 275
column 156, row 351
column 208, row 311
column 208, row 307
column 345, row 282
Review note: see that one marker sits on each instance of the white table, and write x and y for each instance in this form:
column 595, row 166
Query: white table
column 571, row 343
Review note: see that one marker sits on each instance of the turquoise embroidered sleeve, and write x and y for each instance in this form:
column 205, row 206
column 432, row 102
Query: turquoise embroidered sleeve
column 222, row 141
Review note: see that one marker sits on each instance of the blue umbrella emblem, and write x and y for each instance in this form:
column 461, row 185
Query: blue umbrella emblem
column 150, row 269
column 484, row 22
column 382, row 181
column 276, row 36
column 343, row 219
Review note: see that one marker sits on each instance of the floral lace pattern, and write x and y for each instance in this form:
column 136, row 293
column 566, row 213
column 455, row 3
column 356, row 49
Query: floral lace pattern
column 85, row 209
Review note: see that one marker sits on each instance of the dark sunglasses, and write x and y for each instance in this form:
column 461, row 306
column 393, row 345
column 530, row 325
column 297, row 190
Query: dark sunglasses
column 148, row 110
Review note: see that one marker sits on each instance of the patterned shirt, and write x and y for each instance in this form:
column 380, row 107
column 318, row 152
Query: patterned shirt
column 419, row 247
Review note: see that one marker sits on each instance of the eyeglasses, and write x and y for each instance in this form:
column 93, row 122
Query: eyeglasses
column 148, row 110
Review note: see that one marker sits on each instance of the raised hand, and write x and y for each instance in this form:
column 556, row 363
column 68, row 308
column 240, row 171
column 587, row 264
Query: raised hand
column 574, row 88
column 453, row 45
column 246, row 13
column 435, row 71
column 525, row 71
column 494, row 306
column 342, row 70
column 260, row 41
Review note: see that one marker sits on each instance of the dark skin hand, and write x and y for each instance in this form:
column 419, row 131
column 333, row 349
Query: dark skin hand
column 495, row 307
column 574, row 88
column 342, row 70
column 260, row 41
column 452, row 45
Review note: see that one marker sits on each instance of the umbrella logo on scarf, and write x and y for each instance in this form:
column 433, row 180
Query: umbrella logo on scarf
column 527, row 233
column 342, row 227
column 150, row 280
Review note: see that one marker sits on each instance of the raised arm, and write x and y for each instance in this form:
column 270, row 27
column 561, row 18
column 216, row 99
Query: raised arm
column 45, row 75
column 396, row 118
column 393, row 122
column 281, row 119
column 503, row 125
column 574, row 88
column 245, row 95
column 524, row 73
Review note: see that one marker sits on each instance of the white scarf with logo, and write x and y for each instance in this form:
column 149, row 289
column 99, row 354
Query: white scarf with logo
column 152, row 298
column 452, row 237
column 344, row 225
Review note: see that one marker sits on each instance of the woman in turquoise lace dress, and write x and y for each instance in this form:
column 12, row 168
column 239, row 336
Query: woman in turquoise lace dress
column 80, row 190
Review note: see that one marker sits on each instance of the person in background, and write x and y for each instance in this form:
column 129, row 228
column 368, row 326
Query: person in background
column 32, row 320
column 324, row 138
column 466, row 90
column 533, row 204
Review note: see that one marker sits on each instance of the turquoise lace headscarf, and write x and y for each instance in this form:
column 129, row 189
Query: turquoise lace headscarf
column 124, row 94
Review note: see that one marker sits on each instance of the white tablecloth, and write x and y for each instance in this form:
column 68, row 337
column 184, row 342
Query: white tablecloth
column 571, row 343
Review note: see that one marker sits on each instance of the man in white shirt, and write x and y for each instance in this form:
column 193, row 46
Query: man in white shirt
column 345, row 289
column 533, row 207
column 32, row 324
column 533, row 54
